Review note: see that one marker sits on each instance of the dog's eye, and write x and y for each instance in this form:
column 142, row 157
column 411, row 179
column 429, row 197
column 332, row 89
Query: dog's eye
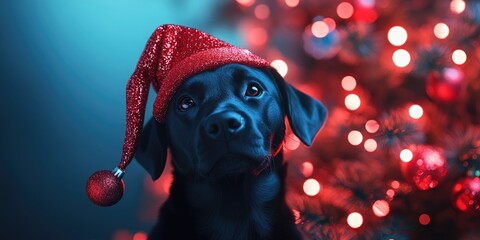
column 253, row 90
column 185, row 104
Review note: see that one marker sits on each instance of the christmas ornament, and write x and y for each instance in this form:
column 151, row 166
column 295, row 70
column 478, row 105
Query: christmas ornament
column 173, row 53
column 466, row 193
column 445, row 86
column 426, row 168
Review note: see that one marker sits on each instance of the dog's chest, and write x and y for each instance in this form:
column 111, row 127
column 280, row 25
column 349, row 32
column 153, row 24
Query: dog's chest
column 239, row 211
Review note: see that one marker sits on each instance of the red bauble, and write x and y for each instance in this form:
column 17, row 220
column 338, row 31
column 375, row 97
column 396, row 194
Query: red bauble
column 466, row 194
column 104, row 188
column 445, row 86
column 426, row 168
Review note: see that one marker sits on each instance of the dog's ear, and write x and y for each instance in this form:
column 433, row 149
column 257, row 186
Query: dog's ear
column 305, row 114
column 151, row 151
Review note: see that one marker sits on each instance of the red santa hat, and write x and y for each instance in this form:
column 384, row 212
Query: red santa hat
column 173, row 53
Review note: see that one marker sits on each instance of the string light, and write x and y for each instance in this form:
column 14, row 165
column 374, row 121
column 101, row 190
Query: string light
column 292, row 3
column 401, row 58
column 397, row 36
column 311, row 187
column 395, row 184
column 349, row 83
column 381, row 208
column 355, row 137
column 372, row 126
column 331, row 24
column 355, row 220
column 306, row 169
column 457, row 6
column 370, row 145
column 246, row 3
column 415, row 111
column 441, row 30
column 345, row 10
column 320, row 29
column 424, row 219
column 352, row 101
column 406, row 155
column 262, row 11
column 280, row 66
column 390, row 193
column 459, row 57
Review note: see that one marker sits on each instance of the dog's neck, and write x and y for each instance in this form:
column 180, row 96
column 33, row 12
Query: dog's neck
column 236, row 207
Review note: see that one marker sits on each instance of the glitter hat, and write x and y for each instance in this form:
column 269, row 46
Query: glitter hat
column 172, row 54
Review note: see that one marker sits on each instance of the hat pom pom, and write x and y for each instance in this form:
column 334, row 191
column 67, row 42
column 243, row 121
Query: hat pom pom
column 104, row 188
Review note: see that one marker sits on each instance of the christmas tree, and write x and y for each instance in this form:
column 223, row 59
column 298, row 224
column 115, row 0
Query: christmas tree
column 398, row 156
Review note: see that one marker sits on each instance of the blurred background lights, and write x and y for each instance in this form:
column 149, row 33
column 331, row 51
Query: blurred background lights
column 397, row 36
column 406, row 155
column 355, row 220
column 262, row 11
column 344, row 10
column 280, row 66
column 352, row 102
column 292, row 3
column 381, row 208
column 257, row 36
column 291, row 142
column 307, row 169
column 320, row 29
column 370, row 145
column 246, row 3
column 355, row 137
column 459, row 57
column 390, row 193
column 311, row 187
column 441, row 30
column 330, row 23
column 367, row 3
column 395, row 184
column 401, row 58
column 349, row 83
column 424, row 219
column 372, row 126
column 415, row 111
column 140, row 236
column 457, row 6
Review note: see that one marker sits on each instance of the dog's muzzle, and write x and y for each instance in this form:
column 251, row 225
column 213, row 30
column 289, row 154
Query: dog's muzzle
column 224, row 125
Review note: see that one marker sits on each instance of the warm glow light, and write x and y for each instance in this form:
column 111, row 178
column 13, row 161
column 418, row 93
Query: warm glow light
column 292, row 3
column 349, row 83
column 459, row 57
column 257, row 36
column 395, row 184
column 319, row 29
column 397, row 36
column 345, row 10
column 330, row 23
column 367, row 3
column 355, row 220
column 401, row 58
column 291, row 142
column 390, row 193
column 406, row 155
column 370, row 145
column 262, row 11
column 441, row 30
column 457, row 6
column 424, row 219
column 140, row 236
column 415, row 111
column 381, row 208
column 372, row 126
column 306, row 169
column 355, row 137
column 246, row 3
column 280, row 66
column 311, row 187
column 352, row 102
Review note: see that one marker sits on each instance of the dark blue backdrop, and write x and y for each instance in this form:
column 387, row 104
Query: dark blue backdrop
column 64, row 66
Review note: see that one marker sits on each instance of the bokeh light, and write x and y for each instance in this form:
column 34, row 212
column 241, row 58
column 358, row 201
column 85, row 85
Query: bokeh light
column 352, row 101
column 320, row 29
column 330, row 23
column 381, row 208
column 280, row 66
column 457, row 6
column 355, row 220
column 257, row 36
column 140, row 236
column 415, row 111
column 311, row 187
column 401, row 58
column 349, row 83
column 372, row 126
column 370, row 145
column 292, row 3
column 307, row 169
column 291, row 142
column 406, row 155
column 397, row 36
column 345, row 10
column 262, row 11
column 441, row 30
column 390, row 193
column 355, row 137
column 424, row 219
column 246, row 3
column 459, row 57
column 395, row 184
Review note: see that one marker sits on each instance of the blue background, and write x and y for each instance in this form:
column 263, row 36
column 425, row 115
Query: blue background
column 64, row 67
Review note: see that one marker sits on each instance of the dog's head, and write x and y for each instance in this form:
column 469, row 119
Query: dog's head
column 226, row 121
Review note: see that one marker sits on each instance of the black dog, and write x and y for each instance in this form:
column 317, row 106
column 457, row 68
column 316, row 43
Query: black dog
column 225, row 130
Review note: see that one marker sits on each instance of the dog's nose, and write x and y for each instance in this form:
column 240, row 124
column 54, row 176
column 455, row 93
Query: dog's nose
column 226, row 124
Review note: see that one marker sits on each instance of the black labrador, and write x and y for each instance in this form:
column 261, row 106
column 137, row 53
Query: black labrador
column 225, row 130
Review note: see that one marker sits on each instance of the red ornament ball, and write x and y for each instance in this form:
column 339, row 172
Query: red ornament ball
column 445, row 86
column 105, row 189
column 466, row 194
column 426, row 168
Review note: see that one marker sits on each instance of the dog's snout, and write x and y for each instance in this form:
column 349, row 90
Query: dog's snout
column 226, row 124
